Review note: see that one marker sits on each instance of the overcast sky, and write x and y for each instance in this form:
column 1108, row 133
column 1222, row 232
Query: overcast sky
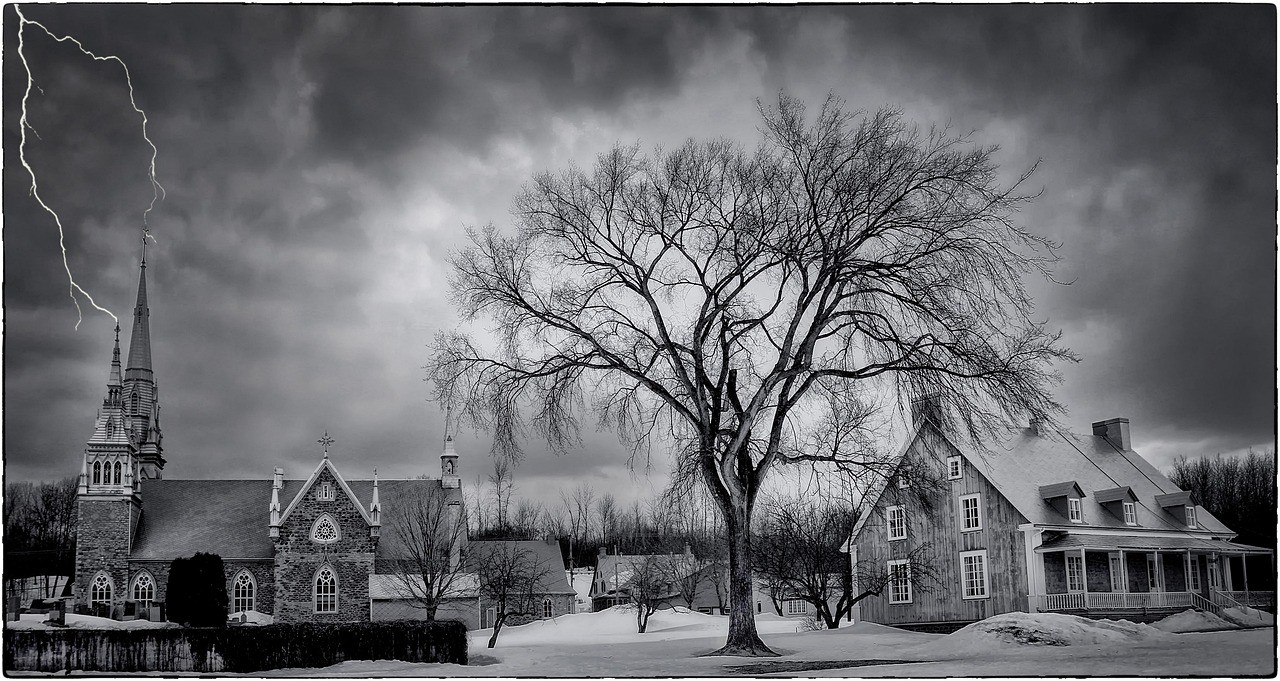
column 322, row 162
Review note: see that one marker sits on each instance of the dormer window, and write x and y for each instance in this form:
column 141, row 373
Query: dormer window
column 954, row 470
column 1074, row 514
column 1130, row 513
column 324, row 492
column 1191, row 516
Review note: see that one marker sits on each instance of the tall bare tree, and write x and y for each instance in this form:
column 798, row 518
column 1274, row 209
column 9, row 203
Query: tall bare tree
column 799, row 554
column 508, row 577
column 502, row 479
column 428, row 536
column 577, row 506
column 726, row 300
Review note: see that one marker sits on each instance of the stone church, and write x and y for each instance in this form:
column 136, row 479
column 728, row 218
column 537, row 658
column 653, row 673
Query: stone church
column 292, row 548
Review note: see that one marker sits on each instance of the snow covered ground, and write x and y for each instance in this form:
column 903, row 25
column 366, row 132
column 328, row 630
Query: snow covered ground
column 605, row 644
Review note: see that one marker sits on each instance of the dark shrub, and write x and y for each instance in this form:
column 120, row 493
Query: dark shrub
column 197, row 591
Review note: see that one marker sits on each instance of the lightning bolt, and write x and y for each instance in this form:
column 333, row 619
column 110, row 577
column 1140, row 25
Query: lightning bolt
column 157, row 190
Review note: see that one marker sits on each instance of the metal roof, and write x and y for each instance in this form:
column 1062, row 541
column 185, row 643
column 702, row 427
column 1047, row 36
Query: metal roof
column 1112, row 542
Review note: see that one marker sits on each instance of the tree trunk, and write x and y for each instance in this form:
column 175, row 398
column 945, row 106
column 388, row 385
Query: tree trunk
column 742, row 639
column 497, row 626
column 642, row 620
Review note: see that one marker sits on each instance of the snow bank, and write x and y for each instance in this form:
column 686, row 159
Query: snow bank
column 37, row 621
column 1192, row 620
column 1249, row 617
column 618, row 625
column 1044, row 628
column 251, row 617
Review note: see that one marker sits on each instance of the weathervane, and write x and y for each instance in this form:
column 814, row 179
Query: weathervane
column 325, row 442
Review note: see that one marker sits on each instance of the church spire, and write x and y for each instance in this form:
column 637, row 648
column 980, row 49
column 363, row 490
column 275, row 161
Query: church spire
column 114, row 384
column 140, row 342
column 141, row 398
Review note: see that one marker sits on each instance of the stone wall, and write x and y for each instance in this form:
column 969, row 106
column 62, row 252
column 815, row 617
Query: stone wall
column 299, row 558
column 1136, row 566
column 1097, row 571
column 102, row 544
column 1055, row 573
column 264, row 577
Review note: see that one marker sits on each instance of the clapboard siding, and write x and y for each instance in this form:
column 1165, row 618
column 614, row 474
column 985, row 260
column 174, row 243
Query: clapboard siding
column 944, row 601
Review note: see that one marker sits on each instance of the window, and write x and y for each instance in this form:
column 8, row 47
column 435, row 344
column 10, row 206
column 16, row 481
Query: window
column 973, row 571
column 797, row 607
column 134, row 399
column 1215, row 575
column 899, row 581
column 111, row 428
column 546, row 607
column 97, row 472
column 1075, row 573
column 1073, row 510
column 325, row 491
column 326, row 590
column 144, row 590
column 1193, row 573
column 954, row 470
column 902, row 481
column 970, row 512
column 1154, row 573
column 325, row 530
column 897, row 523
column 100, row 590
column 1191, row 516
column 242, row 592
column 1130, row 513
column 117, row 467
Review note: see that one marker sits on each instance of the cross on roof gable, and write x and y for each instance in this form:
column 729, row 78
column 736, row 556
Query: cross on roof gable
column 342, row 483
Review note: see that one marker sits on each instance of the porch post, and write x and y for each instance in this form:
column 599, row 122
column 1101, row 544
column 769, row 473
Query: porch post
column 1084, row 577
column 1244, row 572
column 1032, row 537
column 1227, row 582
column 1124, row 573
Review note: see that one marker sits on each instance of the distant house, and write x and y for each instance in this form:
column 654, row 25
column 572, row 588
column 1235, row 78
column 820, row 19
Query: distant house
column 1043, row 521
column 614, row 573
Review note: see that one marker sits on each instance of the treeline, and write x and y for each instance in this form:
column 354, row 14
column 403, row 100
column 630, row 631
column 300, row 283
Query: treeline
column 1238, row 490
column 39, row 528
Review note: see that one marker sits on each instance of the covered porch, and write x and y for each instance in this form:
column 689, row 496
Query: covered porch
column 1104, row 573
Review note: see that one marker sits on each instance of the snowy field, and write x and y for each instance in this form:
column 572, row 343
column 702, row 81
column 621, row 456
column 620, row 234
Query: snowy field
column 606, row 644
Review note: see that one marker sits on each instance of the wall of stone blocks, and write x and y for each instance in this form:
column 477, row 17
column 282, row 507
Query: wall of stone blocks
column 102, row 544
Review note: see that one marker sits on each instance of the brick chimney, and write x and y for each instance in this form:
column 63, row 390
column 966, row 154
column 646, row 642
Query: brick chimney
column 1116, row 431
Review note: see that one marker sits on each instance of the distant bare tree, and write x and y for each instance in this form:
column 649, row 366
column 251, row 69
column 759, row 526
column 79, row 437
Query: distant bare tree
column 648, row 587
column 502, row 482
column 40, row 531
column 1238, row 490
column 799, row 555
column 577, row 506
column 527, row 519
column 607, row 509
column 743, row 304
column 508, row 579
column 871, row 578
column 428, row 536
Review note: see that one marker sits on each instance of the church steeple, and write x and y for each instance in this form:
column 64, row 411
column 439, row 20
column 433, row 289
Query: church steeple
column 141, row 397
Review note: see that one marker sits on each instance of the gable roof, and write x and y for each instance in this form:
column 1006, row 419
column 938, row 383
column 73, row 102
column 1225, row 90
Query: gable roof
column 616, row 569
column 1061, row 489
column 231, row 517
column 395, row 494
column 1024, row 460
column 553, row 579
column 342, row 483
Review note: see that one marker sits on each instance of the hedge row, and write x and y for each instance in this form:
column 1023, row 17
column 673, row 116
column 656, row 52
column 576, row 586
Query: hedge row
column 233, row 649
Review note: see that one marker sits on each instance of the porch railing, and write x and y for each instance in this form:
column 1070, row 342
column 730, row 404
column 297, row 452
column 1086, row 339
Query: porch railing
column 1117, row 601
column 1253, row 599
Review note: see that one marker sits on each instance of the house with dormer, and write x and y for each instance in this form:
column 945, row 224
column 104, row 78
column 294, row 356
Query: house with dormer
column 298, row 549
column 1043, row 521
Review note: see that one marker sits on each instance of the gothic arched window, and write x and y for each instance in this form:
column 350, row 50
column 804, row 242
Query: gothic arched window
column 134, row 400
column 117, row 475
column 144, row 589
column 546, row 607
column 97, row 472
column 100, row 590
column 325, row 530
column 326, row 590
column 243, row 591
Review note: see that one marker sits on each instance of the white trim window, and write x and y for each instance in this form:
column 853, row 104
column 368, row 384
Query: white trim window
column 243, row 592
column 144, row 590
column 1215, row 575
column 796, row 606
column 325, row 530
column 1074, row 512
column 1193, row 573
column 970, row 512
column 955, row 470
column 973, row 573
column 1155, row 572
column 1130, row 513
column 1075, row 573
column 899, row 581
column 100, row 589
column 1191, row 516
column 897, row 517
column 902, row 481
column 1118, row 577
column 546, row 607
column 326, row 590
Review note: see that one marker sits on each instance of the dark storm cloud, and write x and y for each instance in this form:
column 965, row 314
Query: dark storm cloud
column 321, row 161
